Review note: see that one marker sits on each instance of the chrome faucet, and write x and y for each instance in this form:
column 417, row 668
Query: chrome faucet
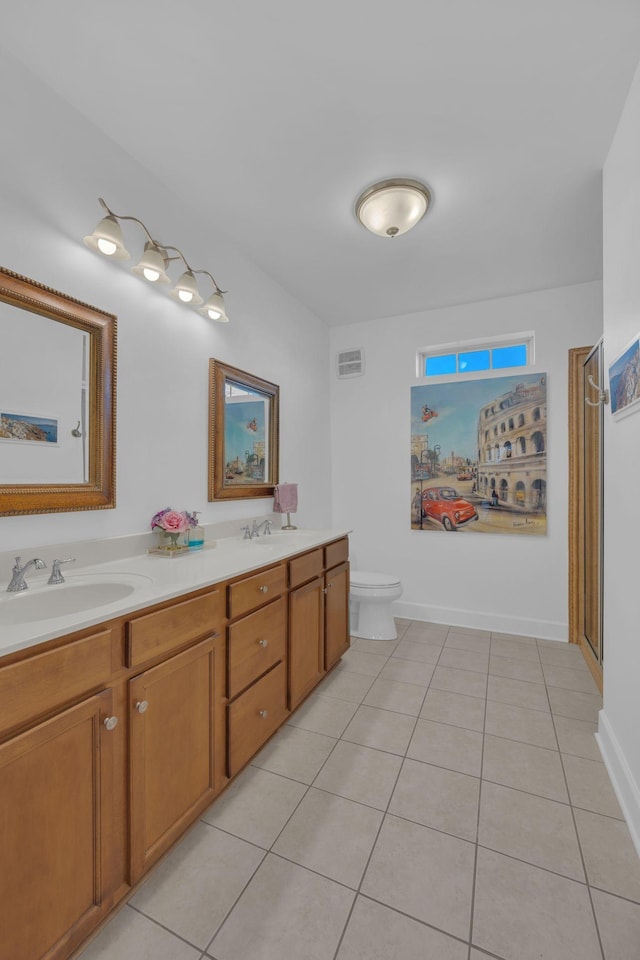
column 255, row 530
column 56, row 576
column 18, row 573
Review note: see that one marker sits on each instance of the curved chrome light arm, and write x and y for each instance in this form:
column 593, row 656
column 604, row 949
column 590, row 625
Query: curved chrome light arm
column 207, row 274
column 119, row 216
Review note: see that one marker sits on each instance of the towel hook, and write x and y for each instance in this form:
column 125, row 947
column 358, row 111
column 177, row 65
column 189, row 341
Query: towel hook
column 603, row 395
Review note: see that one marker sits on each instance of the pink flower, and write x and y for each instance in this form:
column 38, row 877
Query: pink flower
column 173, row 522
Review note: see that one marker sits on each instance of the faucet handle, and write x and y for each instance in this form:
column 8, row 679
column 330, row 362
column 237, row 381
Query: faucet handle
column 56, row 576
column 247, row 532
column 18, row 565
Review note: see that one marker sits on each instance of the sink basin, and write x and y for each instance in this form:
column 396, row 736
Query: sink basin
column 76, row 595
column 286, row 540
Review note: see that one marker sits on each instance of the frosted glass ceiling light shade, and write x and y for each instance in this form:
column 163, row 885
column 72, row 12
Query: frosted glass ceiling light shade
column 152, row 265
column 107, row 239
column 214, row 308
column 391, row 207
column 186, row 290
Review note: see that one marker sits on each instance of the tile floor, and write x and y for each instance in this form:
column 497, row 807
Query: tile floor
column 441, row 797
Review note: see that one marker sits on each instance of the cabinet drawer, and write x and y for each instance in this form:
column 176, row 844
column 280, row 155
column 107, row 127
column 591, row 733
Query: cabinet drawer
column 256, row 643
column 165, row 630
column 33, row 687
column 253, row 592
column 305, row 568
column 254, row 716
column 335, row 553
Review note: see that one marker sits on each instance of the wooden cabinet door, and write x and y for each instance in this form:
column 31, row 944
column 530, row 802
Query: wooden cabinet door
column 336, row 614
column 55, row 826
column 176, row 747
column 306, row 639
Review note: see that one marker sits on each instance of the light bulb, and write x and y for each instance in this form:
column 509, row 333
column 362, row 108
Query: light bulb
column 108, row 247
column 185, row 295
column 151, row 275
column 214, row 314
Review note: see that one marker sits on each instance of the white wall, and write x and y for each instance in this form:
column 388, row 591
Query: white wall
column 55, row 165
column 620, row 720
column 499, row 582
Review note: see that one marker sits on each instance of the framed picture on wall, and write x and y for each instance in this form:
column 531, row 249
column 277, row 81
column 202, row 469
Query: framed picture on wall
column 624, row 380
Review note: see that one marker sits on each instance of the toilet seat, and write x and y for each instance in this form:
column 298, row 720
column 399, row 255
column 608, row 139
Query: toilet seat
column 365, row 580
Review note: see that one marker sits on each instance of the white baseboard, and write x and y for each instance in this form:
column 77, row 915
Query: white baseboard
column 519, row 626
column 626, row 789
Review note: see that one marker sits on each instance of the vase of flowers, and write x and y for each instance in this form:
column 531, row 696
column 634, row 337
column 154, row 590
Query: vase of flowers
column 171, row 527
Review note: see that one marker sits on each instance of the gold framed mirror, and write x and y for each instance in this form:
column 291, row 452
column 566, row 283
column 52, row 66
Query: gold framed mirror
column 244, row 432
column 57, row 401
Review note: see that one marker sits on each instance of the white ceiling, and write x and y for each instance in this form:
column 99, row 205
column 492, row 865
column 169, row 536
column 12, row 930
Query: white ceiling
column 271, row 116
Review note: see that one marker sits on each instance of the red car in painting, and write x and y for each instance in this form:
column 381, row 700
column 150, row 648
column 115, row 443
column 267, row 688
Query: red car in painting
column 443, row 505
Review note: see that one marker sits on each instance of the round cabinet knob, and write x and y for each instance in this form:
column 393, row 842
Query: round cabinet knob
column 263, row 643
column 111, row 722
column 142, row 706
column 263, row 713
column 263, row 589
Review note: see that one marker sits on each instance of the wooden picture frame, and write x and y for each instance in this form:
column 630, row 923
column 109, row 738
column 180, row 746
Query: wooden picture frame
column 96, row 421
column 244, row 434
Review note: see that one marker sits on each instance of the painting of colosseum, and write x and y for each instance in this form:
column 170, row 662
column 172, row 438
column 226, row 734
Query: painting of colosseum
column 479, row 456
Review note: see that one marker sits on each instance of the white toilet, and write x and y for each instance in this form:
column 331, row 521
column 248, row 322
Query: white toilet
column 370, row 599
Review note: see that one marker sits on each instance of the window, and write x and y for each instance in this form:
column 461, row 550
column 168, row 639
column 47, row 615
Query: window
column 476, row 355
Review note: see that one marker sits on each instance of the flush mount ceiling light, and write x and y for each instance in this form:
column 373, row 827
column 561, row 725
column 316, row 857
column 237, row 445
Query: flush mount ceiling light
column 391, row 207
column 108, row 240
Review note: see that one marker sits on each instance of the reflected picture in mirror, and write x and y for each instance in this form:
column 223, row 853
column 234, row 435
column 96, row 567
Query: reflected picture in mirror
column 243, row 435
column 57, row 401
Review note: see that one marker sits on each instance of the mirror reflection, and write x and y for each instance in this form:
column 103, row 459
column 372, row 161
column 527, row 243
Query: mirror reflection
column 246, row 437
column 44, row 399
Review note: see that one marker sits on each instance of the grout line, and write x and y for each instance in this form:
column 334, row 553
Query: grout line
column 477, row 843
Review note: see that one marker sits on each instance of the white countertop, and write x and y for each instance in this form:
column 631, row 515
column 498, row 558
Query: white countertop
column 152, row 579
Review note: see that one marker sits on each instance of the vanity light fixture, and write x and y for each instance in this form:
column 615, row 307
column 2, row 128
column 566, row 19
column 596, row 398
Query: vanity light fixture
column 391, row 207
column 108, row 240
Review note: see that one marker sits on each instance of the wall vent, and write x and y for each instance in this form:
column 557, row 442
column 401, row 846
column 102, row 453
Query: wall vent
column 350, row 363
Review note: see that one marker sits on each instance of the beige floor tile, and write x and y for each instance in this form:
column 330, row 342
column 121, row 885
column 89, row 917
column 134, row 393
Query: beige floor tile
column 369, row 664
column 422, row 652
column 464, row 660
column 360, row 773
column 577, row 737
column 609, row 854
column 344, row 685
column 418, row 635
column 521, row 693
column 379, row 647
column 516, row 669
column 459, row 681
column 286, row 911
column 438, row 798
column 573, row 703
column 540, row 831
column 619, row 925
column 256, row 806
column 192, row 890
column 129, row 934
column 295, row 753
column 562, row 655
column 470, row 631
column 424, row 873
column 454, row 708
column 524, row 767
column 514, row 649
column 437, row 631
column 520, row 723
column 447, row 746
column 408, row 671
column 590, row 787
column 569, row 679
column 396, row 695
column 330, row 835
column 470, row 642
column 375, row 932
column 324, row 714
column 380, row 729
column 524, row 913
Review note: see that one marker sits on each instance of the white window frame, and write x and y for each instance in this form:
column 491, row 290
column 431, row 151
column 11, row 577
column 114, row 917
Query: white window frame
column 464, row 346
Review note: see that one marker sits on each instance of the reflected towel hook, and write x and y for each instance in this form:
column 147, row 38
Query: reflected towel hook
column 77, row 432
column 603, row 395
